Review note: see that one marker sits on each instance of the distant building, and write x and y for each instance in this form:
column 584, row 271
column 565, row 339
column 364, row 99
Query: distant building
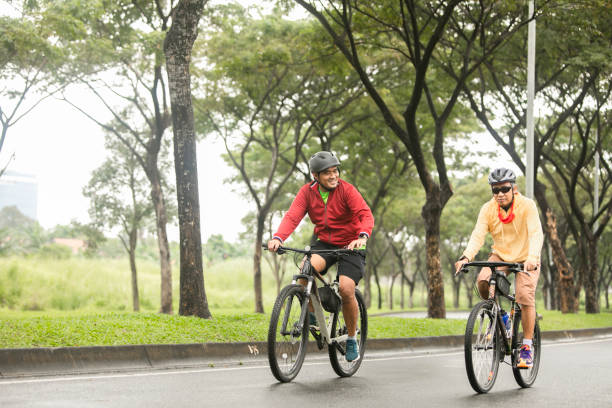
column 20, row 190
column 76, row 245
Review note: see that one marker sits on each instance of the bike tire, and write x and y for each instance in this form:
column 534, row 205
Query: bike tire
column 482, row 348
column 337, row 350
column 526, row 377
column 286, row 351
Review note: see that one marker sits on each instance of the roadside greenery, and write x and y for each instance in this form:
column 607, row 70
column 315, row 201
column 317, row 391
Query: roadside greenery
column 72, row 329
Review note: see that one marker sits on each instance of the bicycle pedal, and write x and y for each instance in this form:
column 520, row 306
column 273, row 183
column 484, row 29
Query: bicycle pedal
column 318, row 338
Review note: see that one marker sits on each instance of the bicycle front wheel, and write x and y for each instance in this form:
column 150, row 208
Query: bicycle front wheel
column 482, row 347
column 525, row 377
column 339, row 334
column 287, row 335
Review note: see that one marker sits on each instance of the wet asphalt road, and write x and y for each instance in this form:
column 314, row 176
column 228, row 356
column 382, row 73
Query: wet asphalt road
column 571, row 375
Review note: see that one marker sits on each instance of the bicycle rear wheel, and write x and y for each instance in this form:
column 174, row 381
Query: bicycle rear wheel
column 525, row 377
column 482, row 347
column 339, row 333
column 287, row 335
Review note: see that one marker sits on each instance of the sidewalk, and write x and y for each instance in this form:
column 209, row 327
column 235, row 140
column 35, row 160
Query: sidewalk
column 89, row 360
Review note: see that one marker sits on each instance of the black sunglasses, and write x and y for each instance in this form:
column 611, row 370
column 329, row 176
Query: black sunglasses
column 503, row 189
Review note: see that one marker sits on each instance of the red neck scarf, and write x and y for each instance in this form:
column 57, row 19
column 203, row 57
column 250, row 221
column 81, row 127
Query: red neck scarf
column 510, row 215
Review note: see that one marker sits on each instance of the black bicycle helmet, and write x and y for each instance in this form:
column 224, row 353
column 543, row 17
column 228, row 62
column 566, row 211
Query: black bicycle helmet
column 321, row 161
column 502, row 175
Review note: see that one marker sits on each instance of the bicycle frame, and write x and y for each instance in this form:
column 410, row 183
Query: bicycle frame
column 494, row 296
column 313, row 297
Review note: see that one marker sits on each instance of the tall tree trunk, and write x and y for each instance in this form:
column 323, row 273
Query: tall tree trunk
column 591, row 279
column 402, row 286
column 161, row 220
column 391, row 284
column 549, row 273
column 431, row 212
column 567, row 291
column 134, row 273
column 367, row 288
column 257, row 265
column 177, row 47
column 378, row 286
column 565, row 278
column 411, row 295
column 457, row 291
column 470, row 295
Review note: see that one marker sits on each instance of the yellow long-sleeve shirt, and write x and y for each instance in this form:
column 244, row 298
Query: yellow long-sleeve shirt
column 518, row 241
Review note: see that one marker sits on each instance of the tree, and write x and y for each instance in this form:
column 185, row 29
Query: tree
column 569, row 66
column 136, row 97
column 31, row 55
column 19, row 234
column 570, row 162
column 437, row 65
column 266, row 101
column 178, row 45
column 119, row 199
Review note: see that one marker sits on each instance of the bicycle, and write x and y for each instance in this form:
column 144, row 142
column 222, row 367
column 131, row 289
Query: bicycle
column 288, row 331
column 486, row 341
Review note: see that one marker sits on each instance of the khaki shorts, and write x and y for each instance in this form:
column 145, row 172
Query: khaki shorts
column 524, row 285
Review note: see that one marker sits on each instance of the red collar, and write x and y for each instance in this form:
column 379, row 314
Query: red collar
column 510, row 215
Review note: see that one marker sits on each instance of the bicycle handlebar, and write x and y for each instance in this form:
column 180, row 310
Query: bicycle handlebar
column 512, row 266
column 308, row 251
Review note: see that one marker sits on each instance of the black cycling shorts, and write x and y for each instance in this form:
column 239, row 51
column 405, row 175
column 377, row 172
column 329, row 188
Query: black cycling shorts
column 352, row 265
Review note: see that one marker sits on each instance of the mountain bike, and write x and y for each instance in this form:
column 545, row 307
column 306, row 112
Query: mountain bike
column 290, row 321
column 486, row 341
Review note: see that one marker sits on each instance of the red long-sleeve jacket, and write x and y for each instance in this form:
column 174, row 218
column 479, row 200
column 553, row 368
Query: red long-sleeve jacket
column 340, row 221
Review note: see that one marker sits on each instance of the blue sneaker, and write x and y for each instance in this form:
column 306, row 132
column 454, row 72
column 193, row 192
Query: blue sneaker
column 352, row 350
column 525, row 359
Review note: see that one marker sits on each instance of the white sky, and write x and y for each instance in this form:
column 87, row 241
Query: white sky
column 61, row 147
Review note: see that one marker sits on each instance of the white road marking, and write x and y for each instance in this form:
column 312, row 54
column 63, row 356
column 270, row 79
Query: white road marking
column 371, row 358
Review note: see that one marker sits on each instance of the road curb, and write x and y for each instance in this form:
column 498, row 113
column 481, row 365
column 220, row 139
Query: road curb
column 80, row 360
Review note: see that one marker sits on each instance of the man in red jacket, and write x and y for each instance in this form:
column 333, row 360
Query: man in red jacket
column 342, row 220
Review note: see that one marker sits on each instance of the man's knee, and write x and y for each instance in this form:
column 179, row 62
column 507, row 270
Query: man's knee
column 318, row 262
column 347, row 288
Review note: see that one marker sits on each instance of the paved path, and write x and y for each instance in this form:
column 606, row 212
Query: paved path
column 463, row 315
column 571, row 374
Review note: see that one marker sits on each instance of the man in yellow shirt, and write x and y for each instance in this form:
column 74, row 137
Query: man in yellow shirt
column 514, row 224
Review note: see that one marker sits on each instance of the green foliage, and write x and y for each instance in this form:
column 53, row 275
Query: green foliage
column 119, row 194
column 55, row 251
column 10, row 289
column 217, row 249
column 19, row 234
column 37, row 283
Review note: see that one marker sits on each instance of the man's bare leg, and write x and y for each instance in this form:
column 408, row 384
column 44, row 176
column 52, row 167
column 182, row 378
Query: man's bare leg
column 350, row 309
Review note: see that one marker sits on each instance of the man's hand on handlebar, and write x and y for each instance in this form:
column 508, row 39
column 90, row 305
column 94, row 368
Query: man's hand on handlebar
column 459, row 264
column 531, row 266
column 274, row 244
column 358, row 243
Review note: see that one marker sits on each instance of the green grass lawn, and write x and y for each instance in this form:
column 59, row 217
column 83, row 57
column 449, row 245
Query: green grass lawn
column 86, row 302
column 59, row 329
